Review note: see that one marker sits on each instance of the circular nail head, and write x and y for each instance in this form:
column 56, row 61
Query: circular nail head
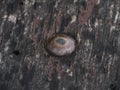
column 61, row 45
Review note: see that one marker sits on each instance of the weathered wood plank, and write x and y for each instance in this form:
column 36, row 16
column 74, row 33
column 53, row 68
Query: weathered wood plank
column 26, row 25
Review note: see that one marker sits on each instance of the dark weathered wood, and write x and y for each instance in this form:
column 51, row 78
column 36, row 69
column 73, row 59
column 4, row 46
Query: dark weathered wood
column 26, row 25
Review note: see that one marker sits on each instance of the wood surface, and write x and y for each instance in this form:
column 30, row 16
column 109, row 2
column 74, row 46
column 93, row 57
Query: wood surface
column 26, row 25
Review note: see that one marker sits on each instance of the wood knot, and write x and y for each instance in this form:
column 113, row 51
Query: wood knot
column 61, row 45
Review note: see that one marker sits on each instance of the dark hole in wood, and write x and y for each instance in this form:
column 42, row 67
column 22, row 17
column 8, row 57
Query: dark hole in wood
column 84, row 4
column 113, row 87
column 21, row 3
column 16, row 52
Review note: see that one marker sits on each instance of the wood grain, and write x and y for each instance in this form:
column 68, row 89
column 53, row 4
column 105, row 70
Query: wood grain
column 25, row 25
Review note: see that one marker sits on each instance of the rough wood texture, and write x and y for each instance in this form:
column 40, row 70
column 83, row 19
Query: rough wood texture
column 25, row 25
